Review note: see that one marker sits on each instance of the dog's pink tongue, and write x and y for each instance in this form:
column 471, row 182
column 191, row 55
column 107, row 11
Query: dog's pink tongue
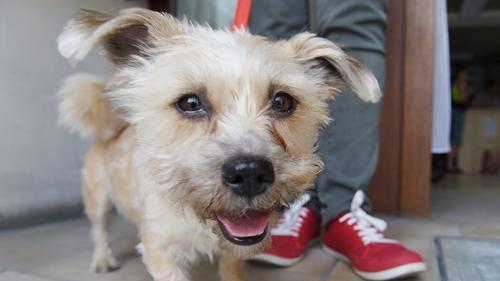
column 252, row 224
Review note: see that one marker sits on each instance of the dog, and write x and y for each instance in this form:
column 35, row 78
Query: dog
column 200, row 135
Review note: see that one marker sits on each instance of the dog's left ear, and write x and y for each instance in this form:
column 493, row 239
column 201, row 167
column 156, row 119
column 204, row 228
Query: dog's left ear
column 128, row 34
column 319, row 52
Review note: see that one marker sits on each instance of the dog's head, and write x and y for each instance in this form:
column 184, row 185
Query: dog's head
column 227, row 122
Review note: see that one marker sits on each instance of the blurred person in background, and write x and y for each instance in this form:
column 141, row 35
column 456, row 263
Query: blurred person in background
column 460, row 97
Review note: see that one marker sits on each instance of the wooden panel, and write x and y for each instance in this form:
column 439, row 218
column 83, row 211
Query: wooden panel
column 401, row 184
column 417, row 107
column 384, row 190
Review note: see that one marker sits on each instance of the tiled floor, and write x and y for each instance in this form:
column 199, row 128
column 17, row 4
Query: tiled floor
column 465, row 205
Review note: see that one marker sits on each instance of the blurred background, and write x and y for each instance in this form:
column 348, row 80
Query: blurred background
column 423, row 195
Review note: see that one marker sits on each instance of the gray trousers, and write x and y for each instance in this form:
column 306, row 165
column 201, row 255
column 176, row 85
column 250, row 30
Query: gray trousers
column 349, row 146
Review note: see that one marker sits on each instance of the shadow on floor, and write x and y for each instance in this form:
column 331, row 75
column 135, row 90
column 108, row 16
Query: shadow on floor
column 463, row 205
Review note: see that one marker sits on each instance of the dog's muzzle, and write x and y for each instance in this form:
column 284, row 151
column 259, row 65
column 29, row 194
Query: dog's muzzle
column 247, row 176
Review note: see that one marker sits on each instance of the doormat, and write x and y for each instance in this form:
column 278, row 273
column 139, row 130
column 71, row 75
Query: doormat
column 467, row 259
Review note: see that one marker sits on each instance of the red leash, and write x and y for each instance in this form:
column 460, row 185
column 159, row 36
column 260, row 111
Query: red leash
column 242, row 14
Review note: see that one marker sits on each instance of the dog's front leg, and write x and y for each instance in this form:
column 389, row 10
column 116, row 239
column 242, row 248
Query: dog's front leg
column 230, row 268
column 161, row 262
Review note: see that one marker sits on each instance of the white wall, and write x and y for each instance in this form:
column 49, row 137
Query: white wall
column 216, row 13
column 39, row 162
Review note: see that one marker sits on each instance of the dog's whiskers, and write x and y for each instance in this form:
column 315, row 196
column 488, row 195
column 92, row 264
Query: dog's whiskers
column 212, row 200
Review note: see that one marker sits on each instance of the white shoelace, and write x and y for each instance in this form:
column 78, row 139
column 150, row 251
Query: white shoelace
column 370, row 229
column 291, row 220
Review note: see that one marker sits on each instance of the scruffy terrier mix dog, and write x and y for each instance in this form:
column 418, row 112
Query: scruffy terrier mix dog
column 200, row 134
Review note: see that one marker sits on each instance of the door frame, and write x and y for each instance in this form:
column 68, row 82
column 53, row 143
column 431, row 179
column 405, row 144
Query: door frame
column 401, row 184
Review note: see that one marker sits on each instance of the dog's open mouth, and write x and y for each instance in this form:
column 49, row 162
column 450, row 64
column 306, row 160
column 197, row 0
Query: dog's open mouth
column 246, row 230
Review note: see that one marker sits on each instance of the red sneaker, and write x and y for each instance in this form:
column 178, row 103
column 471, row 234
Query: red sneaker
column 297, row 227
column 358, row 239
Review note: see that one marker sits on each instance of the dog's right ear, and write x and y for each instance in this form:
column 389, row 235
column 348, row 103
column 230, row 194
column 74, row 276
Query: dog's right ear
column 129, row 34
column 323, row 53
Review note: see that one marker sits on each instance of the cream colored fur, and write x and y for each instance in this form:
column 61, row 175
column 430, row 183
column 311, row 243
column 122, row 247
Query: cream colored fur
column 161, row 169
column 83, row 108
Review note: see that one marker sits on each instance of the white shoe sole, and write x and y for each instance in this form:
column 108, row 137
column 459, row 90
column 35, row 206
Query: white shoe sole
column 388, row 274
column 275, row 260
column 280, row 261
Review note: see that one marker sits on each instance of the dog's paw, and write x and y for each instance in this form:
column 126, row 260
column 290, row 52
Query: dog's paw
column 103, row 264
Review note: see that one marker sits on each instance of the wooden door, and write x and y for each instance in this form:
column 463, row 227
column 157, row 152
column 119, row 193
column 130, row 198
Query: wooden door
column 402, row 181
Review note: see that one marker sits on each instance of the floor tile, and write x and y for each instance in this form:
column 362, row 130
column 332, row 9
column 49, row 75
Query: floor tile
column 315, row 263
column 254, row 272
column 260, row 274
column 204, row 271
column 16, row 276
column 467, row 198
column 62, row 251
column 343, row 272
column 402, row 228
column 483, row 230
column 76, row 267
column 40, row 246
column 23, row 248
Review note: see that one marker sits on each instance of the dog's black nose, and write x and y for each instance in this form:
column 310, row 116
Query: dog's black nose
column 248, row 176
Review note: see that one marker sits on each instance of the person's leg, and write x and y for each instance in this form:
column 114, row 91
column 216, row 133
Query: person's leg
column 278, row 19
column 350, row 154
column 349, row 146
column 457, row 122
column 299, row 224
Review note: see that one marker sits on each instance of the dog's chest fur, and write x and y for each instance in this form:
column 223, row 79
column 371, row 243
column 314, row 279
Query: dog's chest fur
column 176, row 224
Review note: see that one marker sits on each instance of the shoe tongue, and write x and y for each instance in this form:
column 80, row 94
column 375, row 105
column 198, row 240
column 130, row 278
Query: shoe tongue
column 253, row 223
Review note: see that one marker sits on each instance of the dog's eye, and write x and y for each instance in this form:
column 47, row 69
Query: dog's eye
column 190, row 104
column 283, row 103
